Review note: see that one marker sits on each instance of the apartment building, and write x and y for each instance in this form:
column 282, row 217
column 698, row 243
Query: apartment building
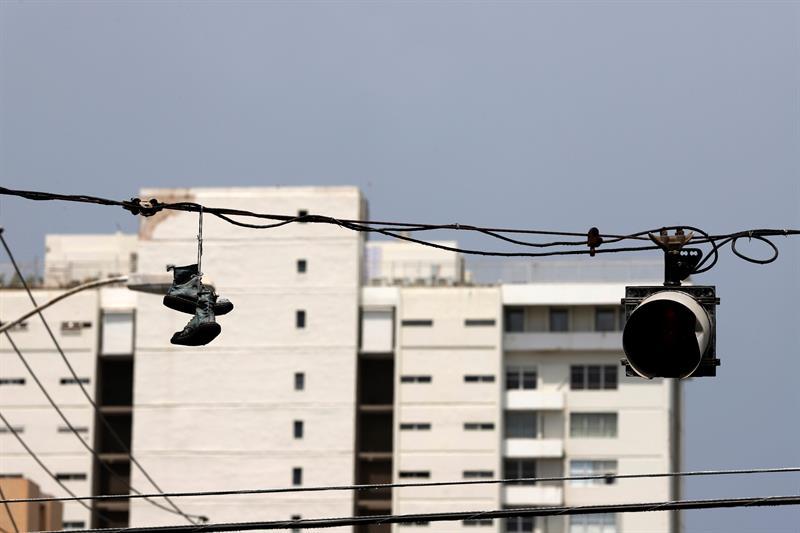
column 29, row 516
column 345, row 361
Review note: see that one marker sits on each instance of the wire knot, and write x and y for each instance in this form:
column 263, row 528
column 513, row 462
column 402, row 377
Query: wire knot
column 145, row 208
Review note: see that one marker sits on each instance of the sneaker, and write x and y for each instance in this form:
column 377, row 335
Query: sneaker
column 182, row 295
column 202, row 328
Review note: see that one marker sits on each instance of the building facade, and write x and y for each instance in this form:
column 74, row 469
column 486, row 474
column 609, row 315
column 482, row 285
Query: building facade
column 344, row 361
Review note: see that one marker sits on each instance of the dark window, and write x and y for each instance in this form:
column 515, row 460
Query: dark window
column 604, row 319
column 520, row 378
column 559, row 319
column 296, row 517
column 520, row 469
column 514, row 319
column 475, row 474
column 478, row 426
column 479, row 322
column 520, row 424
column 593, row 377
column 477, row 522
column 299, row 381
column 19, row 326
column 297, row 476
column 13, row 429
column 71, row 476
column 73, row 381
column 302, row 266
column 415, row 426
column 418, row 323
column 479, row 378
column 300, row 319
column 74, row 325
column 298, row 429
column 77, row 524
column 600, row 425
column 78, row 429
column 12, row 381
column 414, row 474
column 415, row 379
column 622, row 318
column 418, row 523
column 520, row 524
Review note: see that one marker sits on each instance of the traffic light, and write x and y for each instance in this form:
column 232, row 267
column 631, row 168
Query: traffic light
column 670, row 331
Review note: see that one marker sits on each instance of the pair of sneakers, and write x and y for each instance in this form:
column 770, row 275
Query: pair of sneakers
column 188, row 295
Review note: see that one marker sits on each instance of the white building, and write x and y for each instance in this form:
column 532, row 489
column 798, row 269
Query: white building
column 346, row 362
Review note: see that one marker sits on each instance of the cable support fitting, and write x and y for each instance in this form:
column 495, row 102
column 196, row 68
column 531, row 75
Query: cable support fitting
column 145, row 208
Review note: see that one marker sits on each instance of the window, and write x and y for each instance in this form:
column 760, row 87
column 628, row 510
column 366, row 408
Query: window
column 593, row 377
column 19, row 326
column 479, row 378
column 297, row 476
column 559, row 319
column 605, row 319
column 469, row 322
column 302, row 213
column 622, row 318
column 603, row 425
column 478, row 474
column 520, row 424
column 593, row 523
column 12, row 381
column 78, row 429
column 420, row 474
column 415, row 426
column 519, row 524
column 296, row 517
column 417, row 323
column 13, row 429
column 298, row 429
column 73, row 381
column 302, row 266
column 515, row 319
column 478, row 426
column 519, row 469
column 76, row 524
column 477, row 522
column 520, row 378
column 74, row 325
column 415, row 379
column 71, row 476
column 299, row 381
column 300, row 319
column 592, row 468
column 418, row 523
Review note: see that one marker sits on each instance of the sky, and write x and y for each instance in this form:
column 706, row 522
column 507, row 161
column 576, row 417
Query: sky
column 550, row 115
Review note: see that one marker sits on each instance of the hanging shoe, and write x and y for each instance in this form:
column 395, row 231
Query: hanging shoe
column 202, row 328
column 182, row 295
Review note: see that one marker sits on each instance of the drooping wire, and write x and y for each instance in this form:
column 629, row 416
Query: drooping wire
column 314, row 523
column 49, row 472
column 379, row 486
column 94, row 405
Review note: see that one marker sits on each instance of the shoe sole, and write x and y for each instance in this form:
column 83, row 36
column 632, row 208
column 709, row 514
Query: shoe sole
column 188, row 306
column 205, row 333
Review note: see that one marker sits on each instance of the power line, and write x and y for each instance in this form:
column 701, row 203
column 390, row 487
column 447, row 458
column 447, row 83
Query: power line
column 47, row 470
column 313, row 523
column 509, row 481
column 391, row 229
column 96, row 408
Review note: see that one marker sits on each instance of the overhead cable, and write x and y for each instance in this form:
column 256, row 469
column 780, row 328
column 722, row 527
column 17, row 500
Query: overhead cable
column 314, row 523
column 607, row 478
column 174, row 508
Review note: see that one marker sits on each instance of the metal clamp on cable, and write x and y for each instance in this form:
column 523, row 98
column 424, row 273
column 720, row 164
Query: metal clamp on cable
column 149, row 208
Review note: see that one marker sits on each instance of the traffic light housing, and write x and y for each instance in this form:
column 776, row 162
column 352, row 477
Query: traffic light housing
column 670, row 331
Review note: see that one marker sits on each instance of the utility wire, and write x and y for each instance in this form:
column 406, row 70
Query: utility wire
column 175, row 509
column 75, row 431
column 8, row 510
column 313, row 523
column 397, row 230
column 510, row 481
column 47, row 470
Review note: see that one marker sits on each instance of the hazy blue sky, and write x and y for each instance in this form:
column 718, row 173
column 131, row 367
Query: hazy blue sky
column 621, row 115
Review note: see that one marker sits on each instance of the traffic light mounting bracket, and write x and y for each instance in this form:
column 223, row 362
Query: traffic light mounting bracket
column 679, row 262
column 705, row 295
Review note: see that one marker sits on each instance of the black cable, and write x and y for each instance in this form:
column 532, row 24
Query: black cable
column 35, row 457
column 96, row 408
column 507, row 481
column 312, row 523
column 91, row 450
column 8, row 509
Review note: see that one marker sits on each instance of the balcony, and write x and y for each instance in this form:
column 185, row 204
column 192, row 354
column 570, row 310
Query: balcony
column 526, row 448
column 534, row 400
column 531, row 495
column 563, row 341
